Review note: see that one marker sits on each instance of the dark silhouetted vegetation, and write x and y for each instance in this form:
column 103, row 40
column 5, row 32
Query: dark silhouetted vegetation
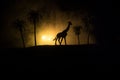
column 88, row 26
column 34, row 16
column 77, row 30
column 20, row 25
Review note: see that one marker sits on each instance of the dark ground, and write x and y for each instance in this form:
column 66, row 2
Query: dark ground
column 69, row 58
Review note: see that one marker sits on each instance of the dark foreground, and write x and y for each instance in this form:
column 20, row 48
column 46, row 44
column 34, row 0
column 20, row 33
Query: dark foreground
column 82, row 58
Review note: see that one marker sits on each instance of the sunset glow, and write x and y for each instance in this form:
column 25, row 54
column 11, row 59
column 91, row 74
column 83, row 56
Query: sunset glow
column 45, row 37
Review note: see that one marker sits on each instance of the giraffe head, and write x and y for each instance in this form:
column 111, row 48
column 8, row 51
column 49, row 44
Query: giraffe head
column 69, row 22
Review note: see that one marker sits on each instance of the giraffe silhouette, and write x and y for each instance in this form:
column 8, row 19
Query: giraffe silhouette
column 62, row 35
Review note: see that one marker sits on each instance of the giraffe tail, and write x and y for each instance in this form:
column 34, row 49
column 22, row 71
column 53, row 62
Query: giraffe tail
column 55, row 38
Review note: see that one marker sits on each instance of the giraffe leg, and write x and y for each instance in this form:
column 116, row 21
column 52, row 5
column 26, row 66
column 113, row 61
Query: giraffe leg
column 65, row 41
column 61, row 40
column 55, row 39
column 56, row 42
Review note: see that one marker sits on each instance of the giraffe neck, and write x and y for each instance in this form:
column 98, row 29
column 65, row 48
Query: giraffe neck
column 67, row 29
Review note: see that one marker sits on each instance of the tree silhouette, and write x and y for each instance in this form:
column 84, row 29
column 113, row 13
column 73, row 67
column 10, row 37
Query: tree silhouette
column 77, row 32
column 88, row 25
column 20, row 25
column 34, row 17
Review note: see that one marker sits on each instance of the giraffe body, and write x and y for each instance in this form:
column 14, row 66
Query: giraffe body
column 62, row 35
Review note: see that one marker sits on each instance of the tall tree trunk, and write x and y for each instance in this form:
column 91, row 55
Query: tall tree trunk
column 35, row 33
column 21, row 33
column 88, row 37
column 78, row 38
